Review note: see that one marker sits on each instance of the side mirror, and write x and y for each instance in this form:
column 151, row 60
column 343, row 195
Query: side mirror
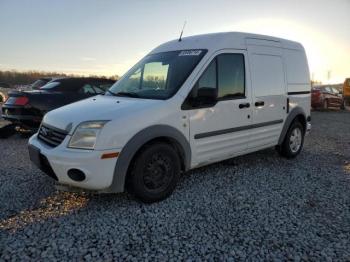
column 207, row 94
column 205, row 97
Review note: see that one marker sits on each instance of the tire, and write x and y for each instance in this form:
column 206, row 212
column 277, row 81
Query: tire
column 291, row 147
column 154, row 173
column 325, row 104
column 7, row 131
column 346, row 105
column 342, row 106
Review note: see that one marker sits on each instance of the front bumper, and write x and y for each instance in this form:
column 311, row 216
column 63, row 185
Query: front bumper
column 56, row 162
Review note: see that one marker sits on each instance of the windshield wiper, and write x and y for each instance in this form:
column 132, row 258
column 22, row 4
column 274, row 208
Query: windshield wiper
column 128, row 94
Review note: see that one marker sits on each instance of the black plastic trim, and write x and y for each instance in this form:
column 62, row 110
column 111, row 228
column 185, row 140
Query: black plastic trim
column 299, row 93
column 236, row 129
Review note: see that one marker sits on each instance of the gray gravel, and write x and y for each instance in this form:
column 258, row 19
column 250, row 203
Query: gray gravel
column 255, row 207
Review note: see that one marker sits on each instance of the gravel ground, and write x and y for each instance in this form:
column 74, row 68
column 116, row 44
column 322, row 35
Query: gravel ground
column 255, row 207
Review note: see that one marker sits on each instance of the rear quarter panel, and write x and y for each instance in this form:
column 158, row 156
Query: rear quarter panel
column 298, row 79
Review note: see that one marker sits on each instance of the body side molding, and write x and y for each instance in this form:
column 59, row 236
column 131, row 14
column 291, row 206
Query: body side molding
column 299, row 93
column 236, row 129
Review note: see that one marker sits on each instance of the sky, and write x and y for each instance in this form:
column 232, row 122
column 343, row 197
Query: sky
column 106, row 37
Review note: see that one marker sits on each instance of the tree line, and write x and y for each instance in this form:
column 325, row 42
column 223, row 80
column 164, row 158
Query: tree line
column 13, row 77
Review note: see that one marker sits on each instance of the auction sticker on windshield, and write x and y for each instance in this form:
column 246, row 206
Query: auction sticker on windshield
column 190, row 53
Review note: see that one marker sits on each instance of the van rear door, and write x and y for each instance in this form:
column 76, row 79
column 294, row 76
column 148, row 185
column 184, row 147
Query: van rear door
column 268, row 92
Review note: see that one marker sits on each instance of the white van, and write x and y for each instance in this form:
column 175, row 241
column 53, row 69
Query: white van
column 188, row 103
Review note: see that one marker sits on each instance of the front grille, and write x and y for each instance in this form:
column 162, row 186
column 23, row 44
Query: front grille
column 51, row 136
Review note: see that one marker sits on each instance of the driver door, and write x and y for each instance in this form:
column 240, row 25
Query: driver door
column 216, row 129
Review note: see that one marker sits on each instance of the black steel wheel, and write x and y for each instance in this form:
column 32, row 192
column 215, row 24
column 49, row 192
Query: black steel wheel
column 155, row 172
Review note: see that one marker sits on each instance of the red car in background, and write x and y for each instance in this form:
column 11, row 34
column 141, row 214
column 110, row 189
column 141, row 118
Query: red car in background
column 325, row 97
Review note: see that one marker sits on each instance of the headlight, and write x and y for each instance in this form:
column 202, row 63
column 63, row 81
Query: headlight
column 85, row 135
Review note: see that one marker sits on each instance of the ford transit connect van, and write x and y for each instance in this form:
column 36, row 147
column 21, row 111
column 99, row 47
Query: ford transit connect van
column 187, row 104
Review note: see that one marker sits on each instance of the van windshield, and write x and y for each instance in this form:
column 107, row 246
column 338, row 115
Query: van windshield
column 158, row 76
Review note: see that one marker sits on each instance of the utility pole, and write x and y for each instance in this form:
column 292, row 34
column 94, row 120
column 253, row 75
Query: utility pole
column 329, row 72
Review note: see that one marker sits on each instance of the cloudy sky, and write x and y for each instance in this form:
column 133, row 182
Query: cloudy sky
column 106, row 37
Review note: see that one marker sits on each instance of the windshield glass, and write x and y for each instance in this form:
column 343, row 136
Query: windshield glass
column 158, row 76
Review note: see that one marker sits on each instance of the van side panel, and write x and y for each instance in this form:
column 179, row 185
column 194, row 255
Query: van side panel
column 298, row 79
column 268, row 93
column 297, row 70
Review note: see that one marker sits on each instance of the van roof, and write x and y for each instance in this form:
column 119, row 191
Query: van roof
column 217, row 41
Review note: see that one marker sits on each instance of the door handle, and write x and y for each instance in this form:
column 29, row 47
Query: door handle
column 259, row 103
column 244, row 105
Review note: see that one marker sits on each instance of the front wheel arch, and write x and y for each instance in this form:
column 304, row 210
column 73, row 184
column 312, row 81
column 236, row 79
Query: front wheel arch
column 143, row 138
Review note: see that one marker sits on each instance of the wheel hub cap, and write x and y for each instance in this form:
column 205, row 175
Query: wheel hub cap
column 295, row 140
column 157, row 172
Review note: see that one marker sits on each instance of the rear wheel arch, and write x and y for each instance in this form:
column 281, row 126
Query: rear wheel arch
column 146, row 137
column 296, row 114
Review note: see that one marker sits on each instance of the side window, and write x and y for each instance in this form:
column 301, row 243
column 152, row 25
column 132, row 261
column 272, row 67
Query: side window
column 226, row 72
column 328, row 89
column 207, row 79
column 87, row 89
column 231, row 75
column 335, row 91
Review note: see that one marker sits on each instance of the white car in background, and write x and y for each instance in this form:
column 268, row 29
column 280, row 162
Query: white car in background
column 188, row 103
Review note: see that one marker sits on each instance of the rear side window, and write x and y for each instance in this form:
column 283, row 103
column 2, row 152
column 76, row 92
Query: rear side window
column 335, row 91
column 226, row 72
column 87, row 89
column 51, row 86
column 328, row 89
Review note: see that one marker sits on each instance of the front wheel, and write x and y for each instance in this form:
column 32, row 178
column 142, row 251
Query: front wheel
column 294, row 140
column 155, row 173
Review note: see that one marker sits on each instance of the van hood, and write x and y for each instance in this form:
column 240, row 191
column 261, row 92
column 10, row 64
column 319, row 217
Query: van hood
column 102, row 107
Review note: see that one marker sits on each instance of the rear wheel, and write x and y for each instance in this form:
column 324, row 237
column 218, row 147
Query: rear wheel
column 342, row 106
column 293, row 141
column 346, row 104
column 155, row 172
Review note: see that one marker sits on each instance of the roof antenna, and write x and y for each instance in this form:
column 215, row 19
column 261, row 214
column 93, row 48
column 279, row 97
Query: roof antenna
column 182, row 31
